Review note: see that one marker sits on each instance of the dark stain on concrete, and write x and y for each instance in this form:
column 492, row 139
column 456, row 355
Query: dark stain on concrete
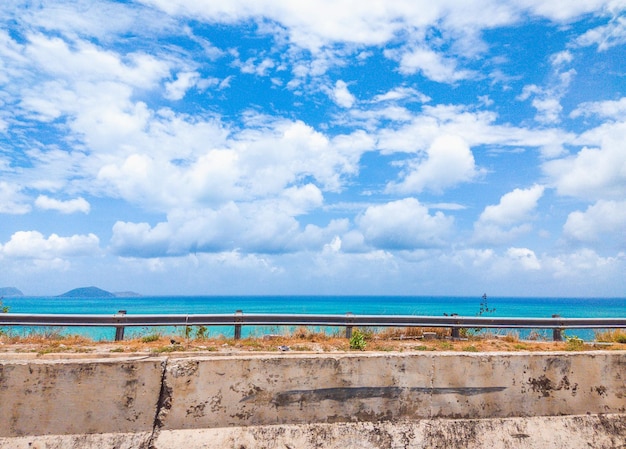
column 600, row 390
column 196, row 411
column 341, row 394
column 545, row 386
column 520, row 436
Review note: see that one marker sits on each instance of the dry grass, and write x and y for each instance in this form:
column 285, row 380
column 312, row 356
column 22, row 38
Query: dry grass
column 300, row 340
column 611, row 336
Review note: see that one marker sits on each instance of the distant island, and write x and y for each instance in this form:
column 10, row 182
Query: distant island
column 95, row 292
column 127, row 294
column 10, row 291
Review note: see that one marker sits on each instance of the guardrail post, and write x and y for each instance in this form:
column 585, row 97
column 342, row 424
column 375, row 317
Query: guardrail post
column 238, row 321
column 557, row 331
column 349, row 322
column 119, row 330
column 455, row 331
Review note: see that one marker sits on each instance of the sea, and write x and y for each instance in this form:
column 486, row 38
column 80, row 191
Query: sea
column 519, row 307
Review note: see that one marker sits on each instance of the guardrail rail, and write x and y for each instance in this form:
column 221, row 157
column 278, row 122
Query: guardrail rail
column 121, row 320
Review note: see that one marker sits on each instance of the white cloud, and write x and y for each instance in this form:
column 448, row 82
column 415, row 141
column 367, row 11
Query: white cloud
column 253, row 66
column 256, row 162
column 603, row 109
column 604, row 219
column 508, row 220
column 65, row 207
column 261, row 227
column 514, row 207
column 341, row 95
column 525, row 257
column 402, row 94
column 87, row 62
column 12, row 201
column 432, row 65
column 564, row 10
column 593, row 173
column 476, row 128
column 403, row 224
column 548, row 110
column 177, row 89
column 449, row 161
column 605, row 36
column 561, row 58
column 33, row 245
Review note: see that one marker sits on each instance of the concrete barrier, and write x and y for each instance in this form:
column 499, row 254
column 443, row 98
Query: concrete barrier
column 317, row 400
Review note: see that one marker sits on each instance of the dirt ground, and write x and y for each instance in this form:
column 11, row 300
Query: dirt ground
column 302, row 340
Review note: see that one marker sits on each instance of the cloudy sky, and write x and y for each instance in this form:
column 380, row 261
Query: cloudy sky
column 314, row 147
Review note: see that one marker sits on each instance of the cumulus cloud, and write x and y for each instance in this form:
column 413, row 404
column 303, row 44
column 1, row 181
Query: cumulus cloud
column 402, row 94
column 341, row 95
column 265, row 227
column 513, row 207
column 593, row 172
column 604, row 109
column 507, row 220
column 525, row 257
column 34, row 245
column 605, row 36
column 65, row 207
column 449, row 161
column 403, row 224
column 419, row 131
column 88, row 62
column 12, row 201
column 432, row 65
column 177, row 89
column 547, row 100
column 604, row 219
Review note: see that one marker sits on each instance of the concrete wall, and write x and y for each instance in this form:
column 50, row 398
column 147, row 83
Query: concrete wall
column 281, row 400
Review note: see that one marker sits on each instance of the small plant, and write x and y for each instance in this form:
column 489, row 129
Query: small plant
column 511, row 337
column 470, row 348
column 357, row 341
column 201, row 332
column 484, row 307
column 172, row 348
column 574, row 344
column 3, row 308
column 421, row 348
column 150, row 338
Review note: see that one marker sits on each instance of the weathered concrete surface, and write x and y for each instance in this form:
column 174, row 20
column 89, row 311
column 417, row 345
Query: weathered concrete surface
column 417, row 400
column 79, row 397
column 567, row 432
column 218, row 392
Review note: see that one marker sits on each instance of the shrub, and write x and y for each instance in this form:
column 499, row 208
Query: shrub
column 150, row 338
column 611, row 336
column 574, row 344
column 357, row 340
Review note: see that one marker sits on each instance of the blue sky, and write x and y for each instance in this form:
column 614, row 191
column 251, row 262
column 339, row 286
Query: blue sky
column 314, row 147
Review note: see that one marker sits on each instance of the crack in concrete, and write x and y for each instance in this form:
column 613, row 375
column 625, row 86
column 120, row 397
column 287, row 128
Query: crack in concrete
column 432, row 386
column 163, row 406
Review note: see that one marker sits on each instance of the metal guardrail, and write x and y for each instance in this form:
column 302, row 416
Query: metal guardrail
column 349, row 321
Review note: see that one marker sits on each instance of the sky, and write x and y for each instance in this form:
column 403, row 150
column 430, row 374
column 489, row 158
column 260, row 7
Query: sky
column 280, row 147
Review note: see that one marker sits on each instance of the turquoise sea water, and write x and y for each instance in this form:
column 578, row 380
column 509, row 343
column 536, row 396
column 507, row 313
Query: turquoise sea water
column 366, row 305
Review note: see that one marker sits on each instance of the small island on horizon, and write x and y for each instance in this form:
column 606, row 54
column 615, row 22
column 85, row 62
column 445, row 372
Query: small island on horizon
column 94, row 292
column 81, row 292
column 10, row 291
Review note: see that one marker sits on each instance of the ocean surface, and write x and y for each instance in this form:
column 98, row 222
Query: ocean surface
column 360, row 305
